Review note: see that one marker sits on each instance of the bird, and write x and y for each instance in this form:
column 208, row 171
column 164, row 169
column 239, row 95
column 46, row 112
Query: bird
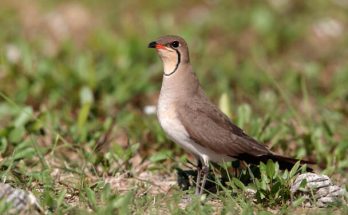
column 192, row 121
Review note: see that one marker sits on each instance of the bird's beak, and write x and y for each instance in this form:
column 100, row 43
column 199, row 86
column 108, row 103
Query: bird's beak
column 156, row 45
column 152, row 44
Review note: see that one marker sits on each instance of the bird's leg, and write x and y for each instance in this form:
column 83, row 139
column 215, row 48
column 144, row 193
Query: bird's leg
column 236, row 166
column 205, row 170
column 199, row 173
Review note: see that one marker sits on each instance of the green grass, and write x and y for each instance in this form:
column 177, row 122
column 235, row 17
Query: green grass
column 72, row 126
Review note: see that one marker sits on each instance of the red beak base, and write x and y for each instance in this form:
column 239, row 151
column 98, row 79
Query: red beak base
column 160, row 46
column 156, row 45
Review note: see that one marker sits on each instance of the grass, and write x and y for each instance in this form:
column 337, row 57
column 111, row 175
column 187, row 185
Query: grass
column 76, row 76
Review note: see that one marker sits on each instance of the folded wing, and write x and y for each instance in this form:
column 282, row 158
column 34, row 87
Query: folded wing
column 212, row 129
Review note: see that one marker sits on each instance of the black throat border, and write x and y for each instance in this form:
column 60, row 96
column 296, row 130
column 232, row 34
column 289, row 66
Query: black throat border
column 177, row 64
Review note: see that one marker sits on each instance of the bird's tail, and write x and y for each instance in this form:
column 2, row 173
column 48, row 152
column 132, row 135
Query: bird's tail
column 283, row 161
column 286, row 162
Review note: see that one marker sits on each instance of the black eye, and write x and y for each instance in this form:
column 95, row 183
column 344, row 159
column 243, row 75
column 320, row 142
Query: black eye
column 175, row 44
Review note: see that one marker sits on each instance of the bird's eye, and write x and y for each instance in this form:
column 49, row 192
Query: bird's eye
column 175, row 44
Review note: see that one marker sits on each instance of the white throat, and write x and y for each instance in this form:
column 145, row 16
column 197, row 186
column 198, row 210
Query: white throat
column 169, row 66
column 170, row 60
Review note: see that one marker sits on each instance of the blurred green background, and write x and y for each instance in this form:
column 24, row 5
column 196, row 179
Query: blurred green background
column 75, row 77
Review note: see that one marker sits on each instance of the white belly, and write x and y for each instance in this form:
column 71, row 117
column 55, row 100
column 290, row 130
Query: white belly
column 176, row 132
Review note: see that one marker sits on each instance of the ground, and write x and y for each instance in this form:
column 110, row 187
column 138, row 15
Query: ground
column 78, row 87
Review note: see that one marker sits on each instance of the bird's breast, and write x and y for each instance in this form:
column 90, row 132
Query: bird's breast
column 169, row 121
column 171, row 124
column 175, row 130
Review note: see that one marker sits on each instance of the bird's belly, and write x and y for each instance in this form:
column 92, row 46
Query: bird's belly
column 177, row 133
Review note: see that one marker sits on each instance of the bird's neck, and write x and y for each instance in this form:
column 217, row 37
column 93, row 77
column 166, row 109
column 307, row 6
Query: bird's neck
column 182, row 83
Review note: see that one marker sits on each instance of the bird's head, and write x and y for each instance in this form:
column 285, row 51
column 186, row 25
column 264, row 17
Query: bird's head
column 173, row 51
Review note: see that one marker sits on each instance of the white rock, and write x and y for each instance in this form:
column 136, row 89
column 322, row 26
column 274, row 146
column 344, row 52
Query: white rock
column 22, row 202
column 314, row 181
column 331, row 191
column 13, row 53
column 319, row 190
column 150, row 109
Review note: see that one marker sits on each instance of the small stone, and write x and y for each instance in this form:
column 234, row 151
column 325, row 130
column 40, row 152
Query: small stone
column 314, row 181
column 331, row 191
column 13, row 53
column 21, row 201
column 250, row 193
column 319, row 190
column 150, row 109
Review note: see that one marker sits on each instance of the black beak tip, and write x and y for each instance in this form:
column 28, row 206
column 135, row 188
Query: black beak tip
column 152, row 44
